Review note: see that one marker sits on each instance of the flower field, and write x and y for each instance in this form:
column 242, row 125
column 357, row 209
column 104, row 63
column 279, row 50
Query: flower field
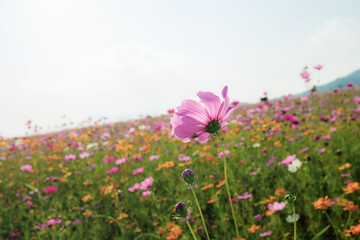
column 123, row 180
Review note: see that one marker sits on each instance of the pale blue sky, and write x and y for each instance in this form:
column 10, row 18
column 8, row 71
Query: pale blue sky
column 123, row 59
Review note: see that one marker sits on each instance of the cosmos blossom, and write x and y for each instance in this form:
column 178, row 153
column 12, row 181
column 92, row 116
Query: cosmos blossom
column 51, row 189
column 196, row 121
column 288, row 160
column 26, row 168
column 319, row 67
column 276, row 206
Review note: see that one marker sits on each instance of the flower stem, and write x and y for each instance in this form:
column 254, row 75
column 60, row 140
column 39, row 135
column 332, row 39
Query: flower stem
column 294, row 222
column 332, row 224
column 192, row 232
column 202, row 217
column 227, row 188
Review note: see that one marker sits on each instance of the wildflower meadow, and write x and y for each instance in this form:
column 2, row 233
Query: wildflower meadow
column 209, row 169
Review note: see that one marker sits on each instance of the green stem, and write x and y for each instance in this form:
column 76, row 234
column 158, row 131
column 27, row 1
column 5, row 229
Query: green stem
column 348, row 220
column 332, row 224
column 192, row 232
column 227, row 188
column 202, row 217
column 294, row 222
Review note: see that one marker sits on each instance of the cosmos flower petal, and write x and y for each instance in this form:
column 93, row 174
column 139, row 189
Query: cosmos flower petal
column 211, row 102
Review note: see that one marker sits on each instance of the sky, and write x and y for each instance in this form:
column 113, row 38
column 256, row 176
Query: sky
column 66, row 61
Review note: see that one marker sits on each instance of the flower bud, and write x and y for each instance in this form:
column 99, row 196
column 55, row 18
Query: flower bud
column 290, row 198
column 189, row 176
column 180, row 209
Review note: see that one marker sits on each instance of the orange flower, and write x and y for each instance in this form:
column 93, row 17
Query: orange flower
column 344, row 166
column 277, row 144
column 351, row 187
column 355, row 230
column 322, row 203
column 86, row 198
column 167, row 164
column 212, row 200
column 269, row 213
column 184, row 164
column 270, row 200
column 254, row 228
column 161, row 231
column 280, row 191
column 174, row 231
column 207, row 186
column 220, row 184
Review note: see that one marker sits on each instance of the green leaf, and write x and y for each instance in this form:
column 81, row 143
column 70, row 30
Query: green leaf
column 321, row 233
column 31, row 187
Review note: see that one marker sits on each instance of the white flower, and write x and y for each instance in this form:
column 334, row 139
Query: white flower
column 294, row 165
column 290, row 218
column 255, row 145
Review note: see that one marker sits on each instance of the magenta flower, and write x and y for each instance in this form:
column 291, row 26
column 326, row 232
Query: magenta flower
column 319, row 67
column 113, row 170
column 122, row 161
column 53, row 221
column 195, row 121
column 144, row 185
column 321, row 150
column 276, row 206
column 51, row 189
column 288, row 160
column 350, row 84
column 137, row 171
column 171, row 110
column 220, row 154
column 146, row 193
column 305, row 74
column 70, row 157
column 245, row 196
column 135, row 187
column 26, row 168
column 356, row 99
column 264, row 234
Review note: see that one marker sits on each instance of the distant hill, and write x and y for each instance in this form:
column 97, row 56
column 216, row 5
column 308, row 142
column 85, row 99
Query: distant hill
column 338, row 83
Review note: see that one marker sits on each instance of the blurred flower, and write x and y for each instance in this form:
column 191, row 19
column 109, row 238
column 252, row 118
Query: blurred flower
column 154, row 157
column 290, row 218
column 189, row 176
column 144, row 185
column 53, row 221
column 304, row 74
column 221, row 154
column 195, row 121
column 180, row 209
column 183, row 158
column 264, row 234
column 146, row 193
column 319, row 67
column 276, row 206
column 350, row 84
column 289, row 159
column 254, row 228
column 112, row 170
column 294, row 165
column 26, row 168
column 322, row 203
column 246, row 195
column 351, row 187
column 51, row 189
column 137, row 171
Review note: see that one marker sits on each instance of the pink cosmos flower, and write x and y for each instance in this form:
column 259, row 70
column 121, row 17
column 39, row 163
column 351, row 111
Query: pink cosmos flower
column 235, row 103
column 319, row 67
column 305, row 74
column 350, row 84
column 220, row 155
column 122, row 161
column 26, row 168
column 154, row 157
column 137, row 171
column 335, row 90
column 304, row 99
column 321, row 150
column 356, row 99
column 113, row 170
column 51, row 189
column 264, row 234
column 53, row 221
column 245, row 196
column 146, row 193
column 171, row 110
column 135, row 187
column 288, row 160
column 195, row 121
column 70, row 157
column 29, row 203
column 276, row 206
column 144, row 185
column 14, row 235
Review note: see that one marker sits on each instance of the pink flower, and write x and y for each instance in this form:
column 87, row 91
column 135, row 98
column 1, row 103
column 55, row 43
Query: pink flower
column 321, row 150
column 29, row 203
column 304, row 99
column 335, row 90
column 287, row 97
column 51, row 189
column 305, row 74
column 135, row 187
column 288, row 160
column 122, row 161
column 350, row 84
column 264, row 234
column 183, row 158
column 245, row 196
column 26, row 168
column 235, row 103
column 171, row 110
column 113, row 170
column 276, row 206
column 154, row 157
column 319, row 67
column 144, row 185
column 137, row 171
column 195, row 121
column 146, row 193
column 356, row 99
column 53, row 221
column 220, row 155
column 14, row 235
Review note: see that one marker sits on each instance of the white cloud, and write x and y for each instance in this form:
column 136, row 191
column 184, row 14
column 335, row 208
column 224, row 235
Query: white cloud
column 338, row 33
